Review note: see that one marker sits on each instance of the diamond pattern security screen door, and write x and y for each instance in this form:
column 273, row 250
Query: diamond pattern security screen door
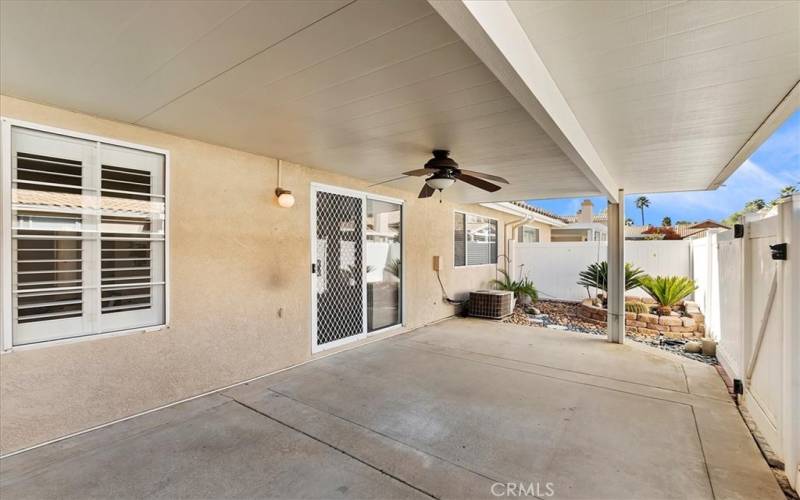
column 353, row 262
column 339, row 267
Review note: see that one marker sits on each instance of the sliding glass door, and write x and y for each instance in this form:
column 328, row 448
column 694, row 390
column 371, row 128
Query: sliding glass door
column 384, row 264
column 356, row 265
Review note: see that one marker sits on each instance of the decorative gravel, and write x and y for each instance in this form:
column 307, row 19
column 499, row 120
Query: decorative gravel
column 562, row 315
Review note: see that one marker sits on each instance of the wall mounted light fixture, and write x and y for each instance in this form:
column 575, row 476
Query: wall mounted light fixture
column 285, row 197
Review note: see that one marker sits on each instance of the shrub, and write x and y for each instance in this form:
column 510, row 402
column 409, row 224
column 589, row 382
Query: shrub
column 521, row 287
column 596, row 276
column 667, row 232
column 636, row 307
column 667, row 290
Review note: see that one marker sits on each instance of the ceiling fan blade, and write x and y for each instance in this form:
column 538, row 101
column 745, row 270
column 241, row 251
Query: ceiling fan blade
column 426, row 192
column 420, row 172
column 478, row 183
column 491, row 177
column 388, row 180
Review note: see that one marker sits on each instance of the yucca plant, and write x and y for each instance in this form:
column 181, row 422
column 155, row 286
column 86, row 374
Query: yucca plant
column 596, row 276
column 667, row 290
column 521, row 288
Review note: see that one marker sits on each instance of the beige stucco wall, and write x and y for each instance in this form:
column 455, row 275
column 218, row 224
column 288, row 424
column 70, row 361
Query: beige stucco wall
column 236, row 260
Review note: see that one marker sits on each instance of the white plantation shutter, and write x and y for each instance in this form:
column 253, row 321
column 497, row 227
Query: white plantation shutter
column 87, row 237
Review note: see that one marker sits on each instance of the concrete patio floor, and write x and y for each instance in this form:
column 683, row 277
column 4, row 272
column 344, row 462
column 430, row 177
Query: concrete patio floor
column 444, row 412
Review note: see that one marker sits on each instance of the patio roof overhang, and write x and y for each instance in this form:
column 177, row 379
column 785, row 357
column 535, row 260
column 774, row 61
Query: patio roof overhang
column 563, row 99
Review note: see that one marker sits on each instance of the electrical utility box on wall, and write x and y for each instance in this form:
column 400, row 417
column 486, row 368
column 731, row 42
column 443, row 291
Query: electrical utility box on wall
column 436, row 262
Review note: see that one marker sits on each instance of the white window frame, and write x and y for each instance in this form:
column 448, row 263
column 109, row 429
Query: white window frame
column 538, row 232
column 364, row 195
column 466, row 254
column 6, row 268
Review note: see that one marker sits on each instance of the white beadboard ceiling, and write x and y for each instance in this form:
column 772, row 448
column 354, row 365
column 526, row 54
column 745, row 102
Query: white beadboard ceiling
column 666, row 93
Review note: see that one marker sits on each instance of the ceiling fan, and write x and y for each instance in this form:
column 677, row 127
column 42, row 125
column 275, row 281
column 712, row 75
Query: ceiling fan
column 443, row 172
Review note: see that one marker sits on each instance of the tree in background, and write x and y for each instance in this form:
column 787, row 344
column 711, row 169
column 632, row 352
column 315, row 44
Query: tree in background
column 759, row 204
column 684, row 222
column 662, row 233
column 628, row 221
column 641, row 203
column 788, row 191
column 755, row 205
column 666, row 221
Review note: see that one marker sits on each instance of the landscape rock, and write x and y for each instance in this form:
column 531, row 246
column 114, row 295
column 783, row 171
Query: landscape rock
column 566, row 316
column 709, row 347
column 693, row 347
column 670, row 321
column 648, row 318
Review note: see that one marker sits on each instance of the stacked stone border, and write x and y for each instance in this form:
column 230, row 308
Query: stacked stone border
column 675, row 326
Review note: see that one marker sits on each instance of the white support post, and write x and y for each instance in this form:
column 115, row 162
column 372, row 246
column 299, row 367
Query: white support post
column 616, row 270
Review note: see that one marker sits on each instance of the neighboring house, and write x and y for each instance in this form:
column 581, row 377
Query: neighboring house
column 698, row 230
column 685, row 231
column 588, row 226
column 548, row 227
column 532, row 224
column 583, row 226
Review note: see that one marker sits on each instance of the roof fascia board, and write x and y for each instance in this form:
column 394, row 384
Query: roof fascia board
column 787, row 106
column 510, row 208
column 492, row 31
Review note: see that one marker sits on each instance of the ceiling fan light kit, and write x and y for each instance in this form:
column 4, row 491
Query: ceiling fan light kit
column 441, row 172
column 440, row 181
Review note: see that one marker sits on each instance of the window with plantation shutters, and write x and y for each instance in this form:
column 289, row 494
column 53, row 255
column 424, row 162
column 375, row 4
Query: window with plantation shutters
column 475, row 240
column 87, row 237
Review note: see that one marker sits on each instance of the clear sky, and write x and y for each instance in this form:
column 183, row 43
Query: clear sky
column 771, row 167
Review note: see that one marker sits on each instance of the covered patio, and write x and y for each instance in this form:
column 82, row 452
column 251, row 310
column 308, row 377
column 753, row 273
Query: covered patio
column 213, row 110
column 447, row 411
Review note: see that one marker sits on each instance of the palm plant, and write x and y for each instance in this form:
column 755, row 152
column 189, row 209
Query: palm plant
column 628, row 221
column 394, row 267
column 755, row 205
column 521, row 288
column 596, row 276
column 667, row 290
column 788, row 191
column 641, row 203
column 666, row 221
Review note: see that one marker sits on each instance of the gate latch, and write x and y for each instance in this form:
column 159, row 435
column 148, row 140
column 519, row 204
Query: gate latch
column 313, row 268
column 779, row 251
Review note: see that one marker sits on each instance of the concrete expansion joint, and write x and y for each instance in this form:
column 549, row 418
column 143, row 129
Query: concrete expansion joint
column 563, row 379
column 386, row 436
column 703, row 451
column 343, row 452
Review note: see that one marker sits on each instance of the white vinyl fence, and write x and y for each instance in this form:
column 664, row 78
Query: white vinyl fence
column 750, row 300
column 554, row 267
column 756, row 325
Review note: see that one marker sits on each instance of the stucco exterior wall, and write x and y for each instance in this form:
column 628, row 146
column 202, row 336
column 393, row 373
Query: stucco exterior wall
column 236, row 260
